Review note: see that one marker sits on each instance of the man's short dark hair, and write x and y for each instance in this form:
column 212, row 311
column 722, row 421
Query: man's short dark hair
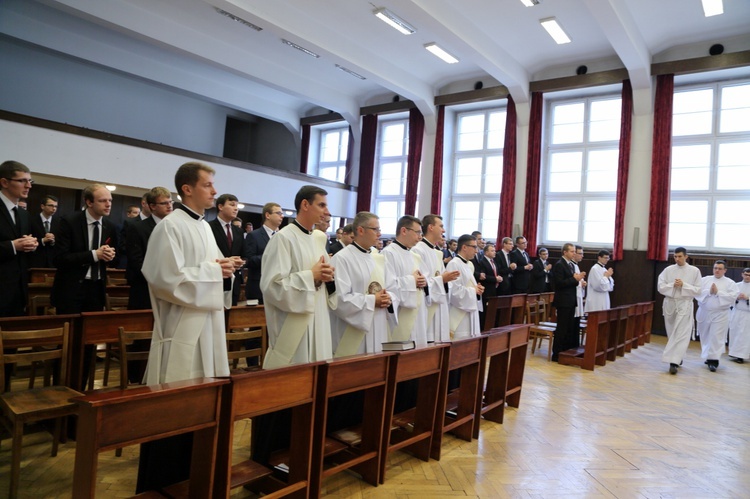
column 348, row 229
column 680, row 249
column 451, row 241
column 155, row 193
column 428, row 220
column 487, row 245
column 578, row 247
column 721, row 262
column 308, row 192
column 9, row 168
column 543, row 249
column 518, row 238
column 602, row 253
column 224, row 198
column 476, row 234
column 49, row 197
column 465, row 240
column 407, row 221
column 189, row 173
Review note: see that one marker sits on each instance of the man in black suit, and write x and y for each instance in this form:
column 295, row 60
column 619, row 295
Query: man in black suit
column 160, row 203
column 522, row 272
column 492, row 280
column 132, row 215
column 505, row 267
column 540, row 273
column 85, row 246
column 16, row 241
column 229, row 238
column 44, row 227
column 255, row 245
column 566, row 281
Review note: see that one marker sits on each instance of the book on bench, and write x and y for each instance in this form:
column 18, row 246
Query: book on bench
column 395, row 346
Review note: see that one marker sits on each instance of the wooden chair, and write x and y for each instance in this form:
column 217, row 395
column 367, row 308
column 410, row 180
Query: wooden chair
column 127, row 338
column 37, row 404
column 246, row 323
column 537, row 331
column 111, row 419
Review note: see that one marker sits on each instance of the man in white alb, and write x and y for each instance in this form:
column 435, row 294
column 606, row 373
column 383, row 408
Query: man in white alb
column 600, row 284
column 296, row 281
column 679, row 283
column 359, row 323
column 433, row 269
column 739, row 324
column 406, row 282
column 717, row 296
column 465, row 294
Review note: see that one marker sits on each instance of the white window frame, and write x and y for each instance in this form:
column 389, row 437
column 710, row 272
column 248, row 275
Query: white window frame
column 317, row 140
column 403, row 158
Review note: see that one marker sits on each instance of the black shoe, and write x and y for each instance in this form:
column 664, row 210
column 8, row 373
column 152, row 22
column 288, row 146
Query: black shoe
column 712, row 368
column 680, row 364
column 738, row 360
column 672, row 368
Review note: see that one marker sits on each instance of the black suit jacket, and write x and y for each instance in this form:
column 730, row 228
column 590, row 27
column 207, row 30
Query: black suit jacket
column 14, row 275
column 236, row 250
column 73, row 258
column 521, row 276
column 138, row 233
column 506, row 273
column 538, row 282
column 44, row 256
column 565, row 285
column 335, row 247
column 255, row 245
column 490, row 280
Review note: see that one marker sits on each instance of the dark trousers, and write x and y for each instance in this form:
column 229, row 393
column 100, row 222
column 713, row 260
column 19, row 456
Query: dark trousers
column 566, row 335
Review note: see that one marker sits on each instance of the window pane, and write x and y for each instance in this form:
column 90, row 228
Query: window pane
column 602, row 170
column 734, row 166
column 688, row 223
column 390, row 179
column 344, row 145
column 490, row 212
column 562, row 220
column 691, row 167
column 493, row 179
column 471, row 132
column 388, row 213
column 496, row 130
column 565, row 172
column 735, row 109
column 605, row 120
column 330, row 173
column 393, row 143
column 465, row 217
column 468, row 175
column 599, row 222
column 330, row 149
column 567, row 124
column 693, row 112
column 732, row 229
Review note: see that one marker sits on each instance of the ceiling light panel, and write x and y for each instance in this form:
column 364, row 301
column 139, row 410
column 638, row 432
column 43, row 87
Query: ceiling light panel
column 394, row 21
column 300, row 48
column 555, row 30
column 441, row 53
column 238, row 19
column 530, row 3
column 713, row 7
column 349, row 71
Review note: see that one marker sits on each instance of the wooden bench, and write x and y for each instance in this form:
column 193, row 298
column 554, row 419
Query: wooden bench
column 491, row 397
column 256, row 393
column 412, row 430
column 595, row 350
column 504, row 310
column 360, row 373
column 518, row 345
column 456, row 410
column 111, row 419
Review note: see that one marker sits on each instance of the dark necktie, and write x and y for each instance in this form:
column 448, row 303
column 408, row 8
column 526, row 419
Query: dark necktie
column 229, row 236
column 46, row 226
column 18, row 221
column 572, row 267
column 494, row 270
column 95, row 246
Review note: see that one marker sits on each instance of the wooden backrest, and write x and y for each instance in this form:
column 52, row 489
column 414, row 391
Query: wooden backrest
column 127, row 338
column 102, row 327
column 240, row 317
column 531, row 311
column 34, row 346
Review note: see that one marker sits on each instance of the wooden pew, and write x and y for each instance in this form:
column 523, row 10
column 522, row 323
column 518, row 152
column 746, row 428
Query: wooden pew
column 504, row 310
column 648, row 317
column 491, row 397
column 518, row 345
column 635, row 319
column 39, row 275
column 413, row 429
column 366, row 373
column 101, row 327
column 111, row 419
column 256, row 393
column 456, row 410
column 247, row 317
column 595, row 350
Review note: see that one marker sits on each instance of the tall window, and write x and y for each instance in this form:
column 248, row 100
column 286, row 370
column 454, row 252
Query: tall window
column 334, row 146
column 478, row 171
column 580, row 179
column 390, row 174
column 710, row 180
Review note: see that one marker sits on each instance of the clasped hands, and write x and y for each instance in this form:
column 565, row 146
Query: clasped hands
column 25, row 244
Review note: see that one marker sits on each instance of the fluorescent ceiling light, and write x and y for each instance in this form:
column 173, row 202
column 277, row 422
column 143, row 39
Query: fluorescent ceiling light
column 238, row 19
column 300, row 48
column 712, row 7
column 111, row 188
column 394, row 21
column 349, row 71
column 555, row 30
column 432, row 47
column 530, row 3
column 240, row 206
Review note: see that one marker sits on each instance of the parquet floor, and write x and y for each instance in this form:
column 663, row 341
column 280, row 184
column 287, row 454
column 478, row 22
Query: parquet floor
column 625, row 430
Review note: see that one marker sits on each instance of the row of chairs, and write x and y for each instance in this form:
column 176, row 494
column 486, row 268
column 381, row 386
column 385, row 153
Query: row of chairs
column 113, row 419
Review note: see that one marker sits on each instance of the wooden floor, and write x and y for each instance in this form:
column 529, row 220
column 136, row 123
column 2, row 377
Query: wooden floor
column 629, row 429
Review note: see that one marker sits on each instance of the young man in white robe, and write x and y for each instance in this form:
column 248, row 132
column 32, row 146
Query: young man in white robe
column 185, row 271
column 679, row 283
column 739, row 323
column 433, row 269
column 717, row 296
column 600, row 285
column 465, row 293
column 296, row 281
column 406, row 282
column 359, row 323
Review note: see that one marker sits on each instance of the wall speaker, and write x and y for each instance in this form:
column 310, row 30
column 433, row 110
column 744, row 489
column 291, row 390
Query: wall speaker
column 636, row 234
column 396, row 98
column 582, row 70
column 716, row 49
column 478, row 85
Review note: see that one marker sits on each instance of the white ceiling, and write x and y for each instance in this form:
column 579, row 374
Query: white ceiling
column 187, row 45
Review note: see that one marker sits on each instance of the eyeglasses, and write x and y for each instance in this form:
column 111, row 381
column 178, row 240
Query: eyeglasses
column 165, row 203
column 374, row 229
column 472, row 246
column 51, row 205
column 278, row 213
column 417, row 232
column 27, row 181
